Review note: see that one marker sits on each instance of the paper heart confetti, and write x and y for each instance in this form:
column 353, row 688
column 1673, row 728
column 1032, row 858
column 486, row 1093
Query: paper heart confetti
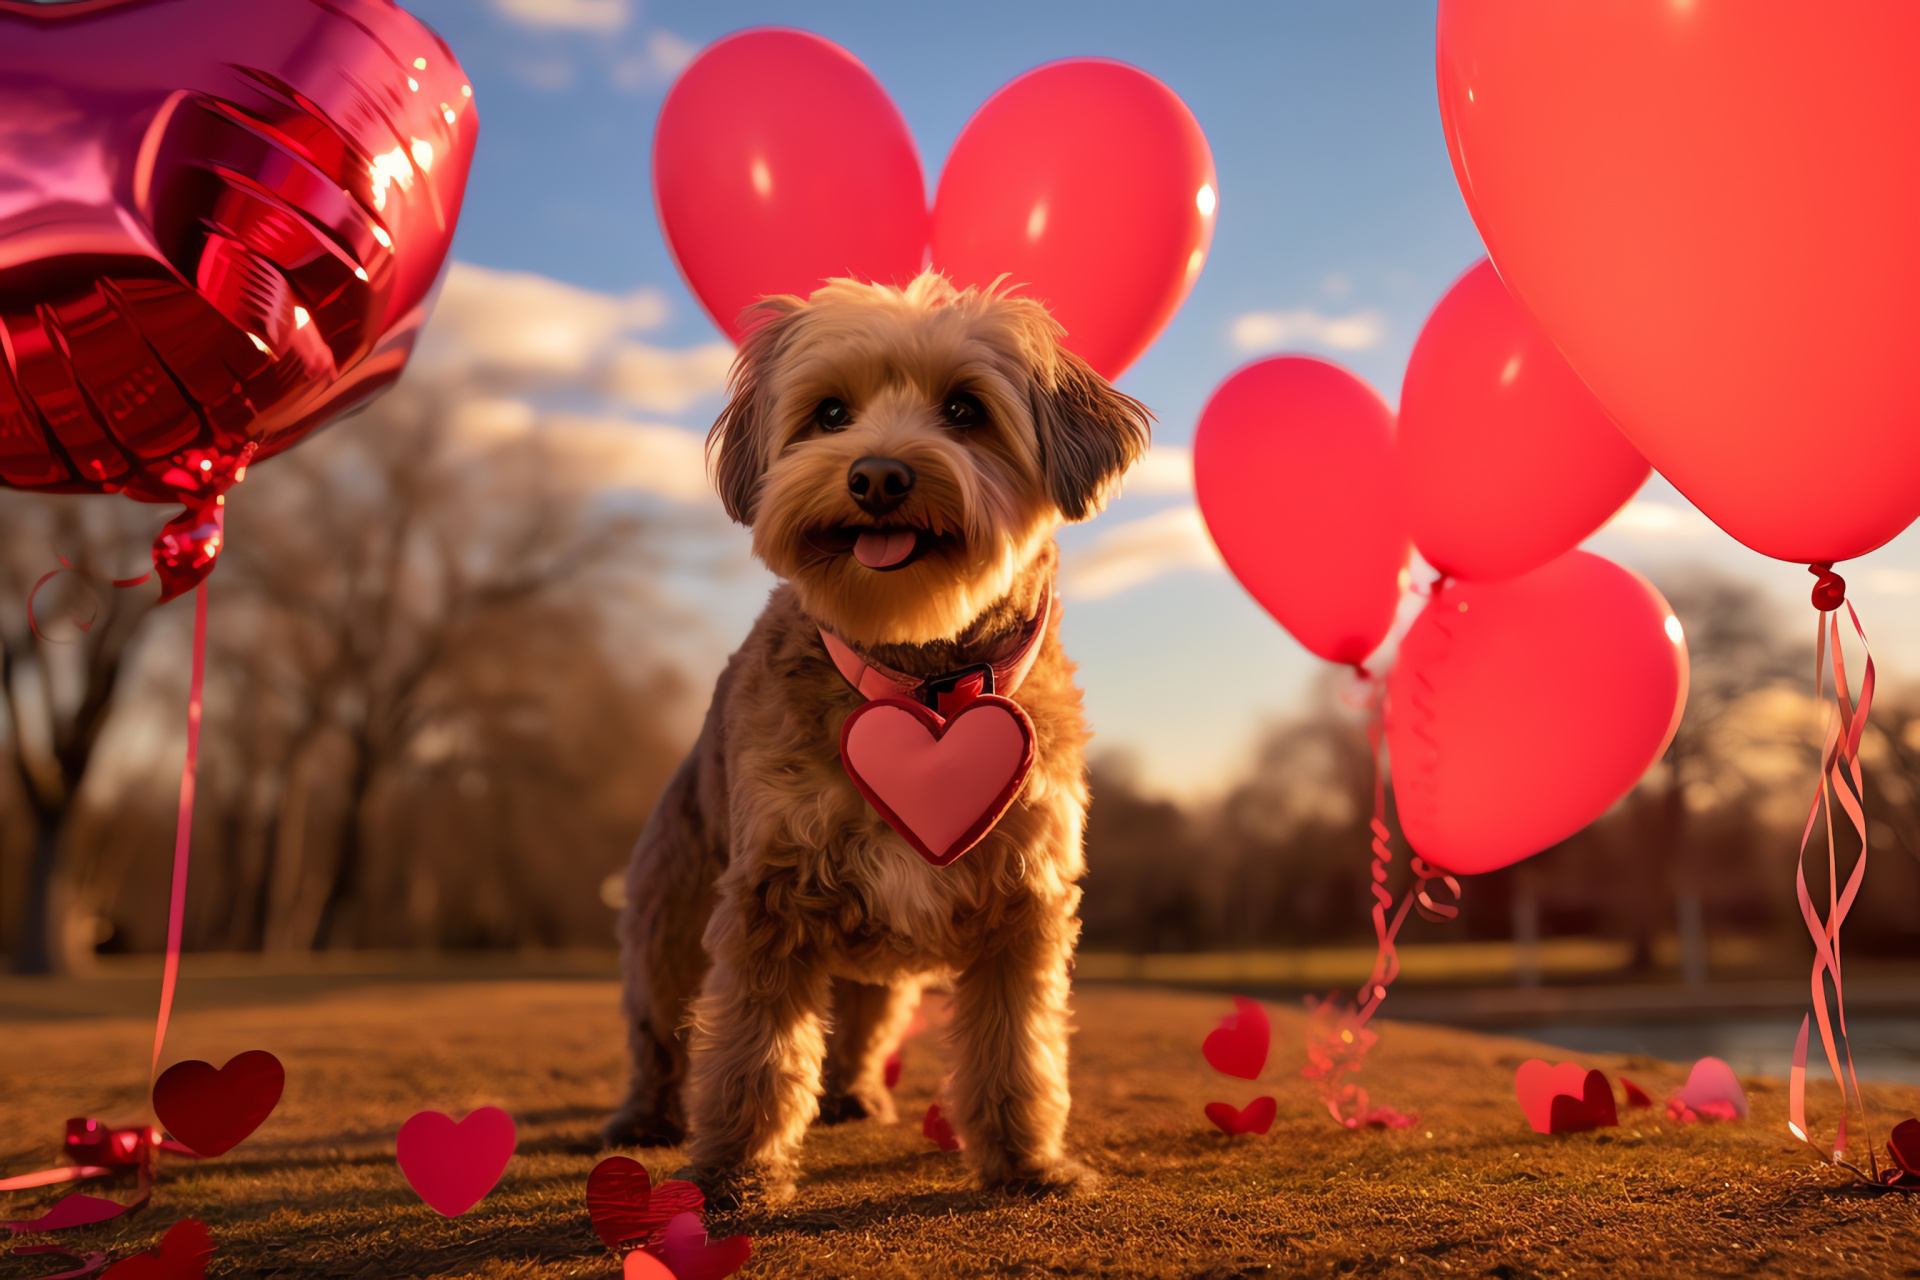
column 453, row 1166
column 937, row 1130
column 1238, row 1047
column 75, row 1211
column 1636, row 1096
column 940, row 783
column 890, row 1070
column 1564, row 1098
column 1903, row 1146
column 627, row 1208
column 1712, row 1092
column 691, row 1256
column 1256, row 1117
column 182, row 1255
column 212, row 1111
column 641, row 1265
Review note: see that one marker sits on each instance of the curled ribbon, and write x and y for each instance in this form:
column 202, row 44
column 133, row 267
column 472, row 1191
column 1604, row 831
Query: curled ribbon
column 65, row 567
column 1340, row 1039
column 1842, row 783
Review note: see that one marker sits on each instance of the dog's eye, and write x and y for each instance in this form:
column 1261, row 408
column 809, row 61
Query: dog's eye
column 963, row 409
column 832, row 414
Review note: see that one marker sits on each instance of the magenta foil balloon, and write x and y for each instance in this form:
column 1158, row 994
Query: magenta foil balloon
column 220, row 224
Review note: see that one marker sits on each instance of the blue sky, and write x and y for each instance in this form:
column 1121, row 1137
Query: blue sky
column 1339, row 226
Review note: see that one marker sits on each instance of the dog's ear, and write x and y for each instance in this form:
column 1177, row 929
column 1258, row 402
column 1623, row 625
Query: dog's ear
column 1089, row 435
column 737, row 444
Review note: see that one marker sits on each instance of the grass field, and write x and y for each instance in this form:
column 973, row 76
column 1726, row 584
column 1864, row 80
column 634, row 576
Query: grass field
column 1468, row 1191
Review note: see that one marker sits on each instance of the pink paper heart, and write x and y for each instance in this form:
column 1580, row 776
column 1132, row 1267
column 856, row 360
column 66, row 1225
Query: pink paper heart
column 1565, row 1098
column 1712, row 1081
column 941, row 784
column 1255, row 1117
column 1238, row 1047
column 453, row 1166
column 691, row 1256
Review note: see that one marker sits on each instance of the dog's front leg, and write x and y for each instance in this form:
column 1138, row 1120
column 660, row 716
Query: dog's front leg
column 758, row 1040
column 1008, row 1091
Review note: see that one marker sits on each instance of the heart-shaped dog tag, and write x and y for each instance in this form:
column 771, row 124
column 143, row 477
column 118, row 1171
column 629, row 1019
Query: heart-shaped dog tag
column 453, row 1166
column 213, row 1110
column 941, row 784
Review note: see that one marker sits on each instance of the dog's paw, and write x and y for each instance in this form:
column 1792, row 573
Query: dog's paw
column 842, row 1108
column 737, row 1190
column 627, row 1128
column 1064, row 1177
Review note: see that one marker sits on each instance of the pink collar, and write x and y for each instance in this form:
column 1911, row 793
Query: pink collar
column 1002, row 674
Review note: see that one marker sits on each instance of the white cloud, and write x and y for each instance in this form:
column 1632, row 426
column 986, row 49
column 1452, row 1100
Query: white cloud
column 511, row 332
column 1166, row 470
column 1270, row 330
column 1644, row 520
column 573, row 15
column 663, row 58
column 601, row 453
column 1129, row 554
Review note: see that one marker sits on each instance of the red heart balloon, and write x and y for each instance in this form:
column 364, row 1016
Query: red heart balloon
column 213, row 1111
column 453, row 1166
column 779, row 161
column 1089, row 184
column 1238, row 1046
column 1256, row 1117
column 1711, row 209
column 1293, row 467
column 626, row 1207
column 941, row 784
column 1519, row 710
column 182, row 1255
column 227, row 216
column 690, row 1256
column 1502, row 457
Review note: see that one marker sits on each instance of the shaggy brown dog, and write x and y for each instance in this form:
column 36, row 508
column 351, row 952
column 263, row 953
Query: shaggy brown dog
column 954, row 420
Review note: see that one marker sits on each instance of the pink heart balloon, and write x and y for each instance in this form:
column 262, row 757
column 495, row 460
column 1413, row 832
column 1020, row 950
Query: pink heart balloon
column 1519, row 710
column 1503, row 459
column 1293, row 467
column 453, row 1166
column 222, row 223
column 940, row 784
column 1089, row 184
column 779, row 161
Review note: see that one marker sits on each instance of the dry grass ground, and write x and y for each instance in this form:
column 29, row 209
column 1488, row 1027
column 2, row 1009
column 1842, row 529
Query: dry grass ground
column 1469, row 1191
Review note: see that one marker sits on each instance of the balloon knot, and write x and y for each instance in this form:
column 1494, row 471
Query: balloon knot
column 1830, row 589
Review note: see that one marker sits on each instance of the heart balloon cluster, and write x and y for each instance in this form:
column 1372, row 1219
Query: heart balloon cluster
column 223, row 224
column 1538, row 682
column 780, row 162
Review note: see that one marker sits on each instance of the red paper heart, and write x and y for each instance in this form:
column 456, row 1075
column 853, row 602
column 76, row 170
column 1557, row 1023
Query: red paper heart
column 1239, row 1046
column 935, row 1128
column 691, row 1256
column 941, row 784
column 627, row 1208
column 1255, row 1117
column 182, row 1255
column 453, row 1166
column 213, row 1111
column 890, row 1070
column 641, row 1265
column 1636, row 1096
column 1903, row 1144
column 1566, row 1098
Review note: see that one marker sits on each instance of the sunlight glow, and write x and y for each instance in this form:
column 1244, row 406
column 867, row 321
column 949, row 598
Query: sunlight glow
column 1206, row 200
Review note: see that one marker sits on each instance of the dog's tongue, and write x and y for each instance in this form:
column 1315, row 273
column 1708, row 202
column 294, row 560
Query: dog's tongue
column 882, row 549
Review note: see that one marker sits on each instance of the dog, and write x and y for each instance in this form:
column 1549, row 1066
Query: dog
column 903, row 457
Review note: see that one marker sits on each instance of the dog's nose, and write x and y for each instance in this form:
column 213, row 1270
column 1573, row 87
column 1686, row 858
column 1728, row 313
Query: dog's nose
column 879, row 484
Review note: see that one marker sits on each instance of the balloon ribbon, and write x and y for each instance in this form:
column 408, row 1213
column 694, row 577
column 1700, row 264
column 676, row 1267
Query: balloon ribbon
column 1338, row 1039
column 1841, row 783
column 183, row 829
